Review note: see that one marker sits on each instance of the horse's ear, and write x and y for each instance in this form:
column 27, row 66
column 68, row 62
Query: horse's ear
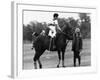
column 35, row 34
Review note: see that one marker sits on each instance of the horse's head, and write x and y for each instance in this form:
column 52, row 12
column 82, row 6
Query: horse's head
column 68, row 30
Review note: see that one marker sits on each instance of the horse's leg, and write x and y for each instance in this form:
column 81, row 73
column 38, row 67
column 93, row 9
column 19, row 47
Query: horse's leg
column 63, row 55
column 74, row 61
column 40, row 65
column 79, row 60
column 35, row 64
column 40, row 53
column 35, row 59
column 59, row 56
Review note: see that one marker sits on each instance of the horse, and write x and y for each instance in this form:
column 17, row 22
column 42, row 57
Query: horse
column 42, row 43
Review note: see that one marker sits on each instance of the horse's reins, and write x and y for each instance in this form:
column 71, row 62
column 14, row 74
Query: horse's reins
column 66, row 35
column 63, row 33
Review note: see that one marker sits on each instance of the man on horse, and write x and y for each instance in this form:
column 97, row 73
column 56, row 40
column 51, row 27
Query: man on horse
column 45, row 38
column 54, row 26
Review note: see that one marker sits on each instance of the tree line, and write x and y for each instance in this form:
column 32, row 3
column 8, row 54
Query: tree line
column 84, row 23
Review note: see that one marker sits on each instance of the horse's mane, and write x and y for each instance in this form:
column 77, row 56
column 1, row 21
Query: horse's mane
column 67, row 29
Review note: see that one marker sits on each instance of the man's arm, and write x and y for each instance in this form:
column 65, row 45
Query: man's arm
column 57, row 25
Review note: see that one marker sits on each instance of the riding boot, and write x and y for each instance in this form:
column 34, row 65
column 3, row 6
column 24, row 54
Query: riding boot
column 54, row 46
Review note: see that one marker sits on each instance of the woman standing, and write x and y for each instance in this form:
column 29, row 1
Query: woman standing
column 77, row 46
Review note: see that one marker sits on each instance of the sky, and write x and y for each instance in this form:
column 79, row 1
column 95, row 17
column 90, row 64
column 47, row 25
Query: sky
column 45, row 16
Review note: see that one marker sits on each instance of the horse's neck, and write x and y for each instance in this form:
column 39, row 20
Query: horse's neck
column 61, row 36
column 64, row 28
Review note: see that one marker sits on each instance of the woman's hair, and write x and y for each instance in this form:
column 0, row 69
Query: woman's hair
column 55, row 15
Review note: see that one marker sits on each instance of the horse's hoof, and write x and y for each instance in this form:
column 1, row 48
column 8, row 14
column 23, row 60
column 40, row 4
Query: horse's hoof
column 74, row 65
column 63, row 66
column 40, row 66
column 35, row 68
column 57, row 66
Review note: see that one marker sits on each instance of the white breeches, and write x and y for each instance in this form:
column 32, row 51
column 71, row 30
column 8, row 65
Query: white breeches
column 52, row 31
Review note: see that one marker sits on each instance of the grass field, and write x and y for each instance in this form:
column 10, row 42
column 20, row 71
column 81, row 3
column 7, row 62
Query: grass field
column 50, row 59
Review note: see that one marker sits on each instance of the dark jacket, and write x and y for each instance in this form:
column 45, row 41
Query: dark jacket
column 77, row 42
